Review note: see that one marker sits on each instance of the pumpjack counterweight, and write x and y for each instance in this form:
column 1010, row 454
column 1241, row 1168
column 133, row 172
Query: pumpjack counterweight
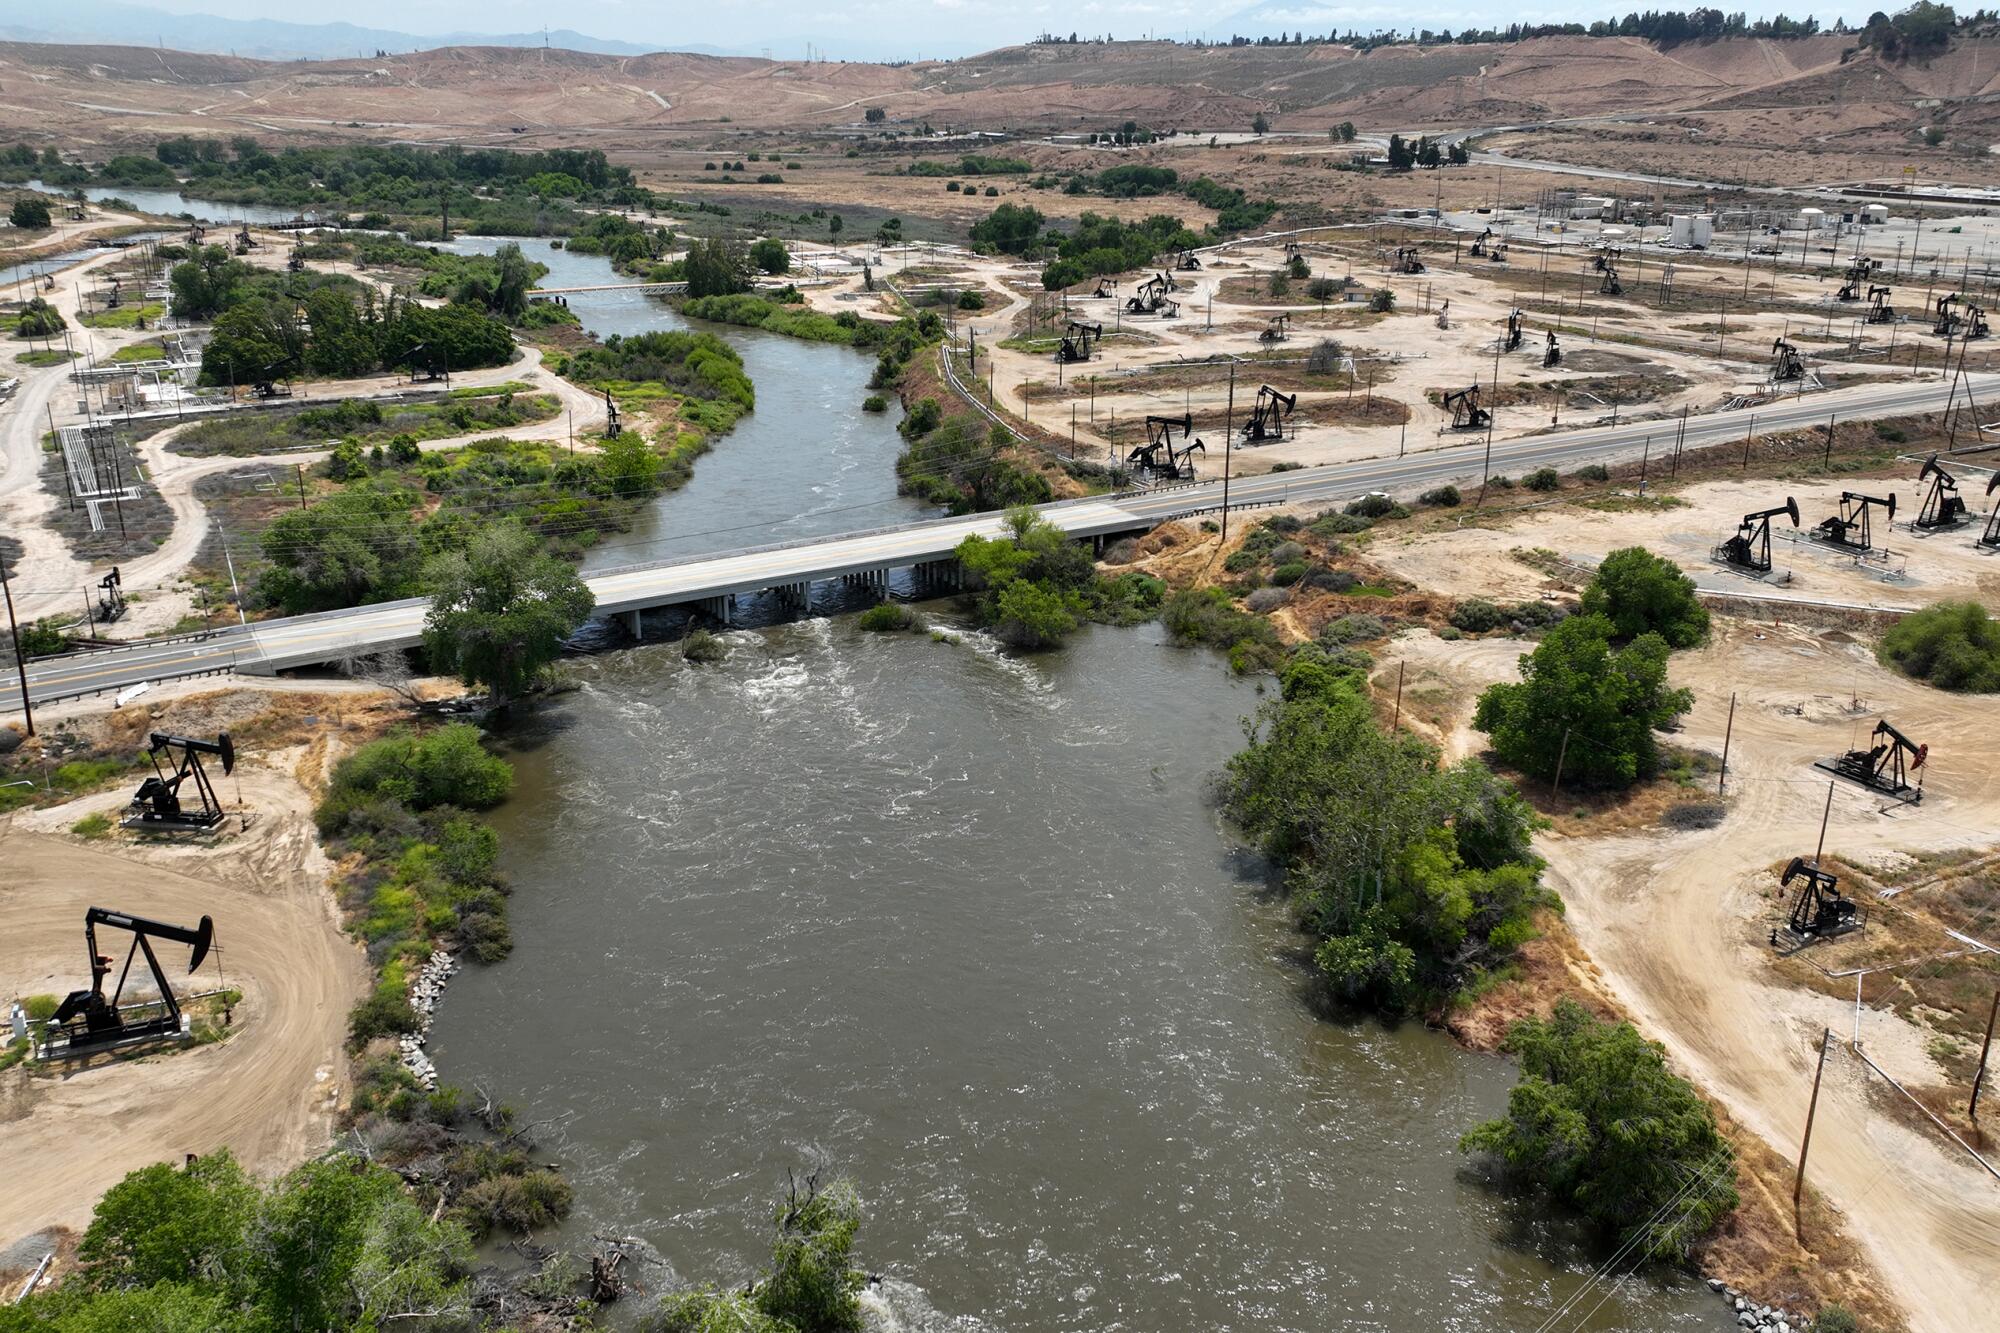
column 160, row 803
column 1887, row 765
column 91, row 1020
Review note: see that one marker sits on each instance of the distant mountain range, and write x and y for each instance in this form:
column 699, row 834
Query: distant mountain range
column 106, row 22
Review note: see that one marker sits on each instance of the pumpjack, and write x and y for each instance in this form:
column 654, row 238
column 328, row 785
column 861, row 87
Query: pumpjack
column 1820, row 911
column 158, row 803
column 1188, row 261
column 1609, row 285
column 1881, row 312
column 245, row 242
column 1786, row 364
column 295, row 262
column 1552, row 355
column 1513, row 338
column 1279, row 329
column 1859, row 271
column 1943, row 506
column 1947, row 320
column 610, row 416
column 1605, row 259
column 1750, row 548
column 90, row 1019
column 1077, row 340
column 1149, row 296
column 1267, row 417
column 1106, row 289
column 1466, row 413
column 1478, row 250
column 110, row 596
column 1159, row 456
column 1886, row 765
column 1850, row 527
column 1975, row 322
column 1991, row 537
column 1408, row 260
column 195, row 234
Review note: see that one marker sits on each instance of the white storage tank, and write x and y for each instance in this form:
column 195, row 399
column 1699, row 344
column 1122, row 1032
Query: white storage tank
column 1811, row 219
column 1874, row 215
column 1704, row 231
column 1680, row 230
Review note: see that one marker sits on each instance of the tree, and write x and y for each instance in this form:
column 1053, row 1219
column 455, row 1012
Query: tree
column 1428, row 152
column 1952, row 645
column 1345, row 130
column 1012, row 229
column 875, row 115
column 39, row 319
column 1402, row 154
column 1606, row 703
column 1458, row 154
column 160, row 1224
column 29, row 212
column 1382, row 301
column 206, row 283
column 1640, row 593
column 1261, row 124
column 813, row 1286
column 500, row 610
column 356, row 546
column 716, row 267
column 769, row 254
column 340, row 345
column 1599, row 1122
column 254, row 342
column 834, row 223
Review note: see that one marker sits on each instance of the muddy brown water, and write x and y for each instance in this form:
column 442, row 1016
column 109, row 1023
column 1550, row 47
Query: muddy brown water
column 965, row 928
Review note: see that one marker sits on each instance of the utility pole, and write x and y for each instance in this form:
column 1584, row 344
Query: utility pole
column 1397, row 725
column 300, row 468
column 1812, row 1109
column 1728, row 730
column 1555, row 788
column 1972, row 1109
column 1228, row 447
column 20, row 662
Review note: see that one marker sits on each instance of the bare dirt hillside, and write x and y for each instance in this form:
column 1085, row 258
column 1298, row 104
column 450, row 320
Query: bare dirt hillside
column 107, row 95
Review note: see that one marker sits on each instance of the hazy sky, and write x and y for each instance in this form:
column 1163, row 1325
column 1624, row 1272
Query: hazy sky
column 886, row 29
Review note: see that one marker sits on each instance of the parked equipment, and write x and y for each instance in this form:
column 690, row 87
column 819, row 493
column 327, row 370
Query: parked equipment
column 1466, row 413
column 1078, row 338
column 1267, row 417
column 1552, row 355
column 1881, row 312
column 158, row 803
column 1886, row 765
column 1786, row 363
column 1991, row 537
column 1943, row 506
column 1850, row 527
column 1513, row 339
column 1819, row 911
column 110, row 596
column 1750, row 548
column 1408, row 260
column 1277, row 330
column 90, row 1020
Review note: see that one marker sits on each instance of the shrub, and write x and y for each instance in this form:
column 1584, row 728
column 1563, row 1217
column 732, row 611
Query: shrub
column 702, row 647
column 874, row 402
column 1599, row 1122
column 1354, row 628
column 1441, row 497
column 92, row 826
column 1591, row 472
column 1476, row 615
column 1207, row 616
column 1836, row 1318
column 1331, row 524
column 521, row 1203
column 1373, row 505
column 1382, row 301
column 447, row 766
column 1542, row 479
column 1691, row 815
column 1642, row 593
column 887, row 617
column 385, row 1013
column 1265, row 600
column 1287, row 574
column 1952, row 645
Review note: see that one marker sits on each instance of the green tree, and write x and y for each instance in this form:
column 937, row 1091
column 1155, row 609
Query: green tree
column 340, row 346
column 768, row 253
column 206, row 283
column 1599, row 1122
column 1402, row 153
column 1952, row 645
column 1641, row 593
column 356, row 546
column 39, row 319
column 1382, row 301
column 1010, row 229
column 813, row 1285
column 716, row 267
column 254, row 342
column 629, row 466
column 500, row 610
column 29, row 212
column 1260, row 124
column 1345, row 131
column 160, row 1224
column 833, row 225
column 875, row 115
column 1606, row 703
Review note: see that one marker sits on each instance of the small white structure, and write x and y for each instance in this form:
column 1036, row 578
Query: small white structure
column 1811, row 219
column 1874, row 215
column 1704, row 231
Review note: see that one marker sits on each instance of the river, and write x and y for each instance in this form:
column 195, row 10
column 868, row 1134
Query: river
column 963, row 927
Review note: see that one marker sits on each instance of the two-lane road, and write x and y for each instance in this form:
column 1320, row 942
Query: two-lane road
column 305, row 640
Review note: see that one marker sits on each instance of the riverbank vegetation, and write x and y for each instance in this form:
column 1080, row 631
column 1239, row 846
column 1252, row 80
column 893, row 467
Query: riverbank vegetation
column 1599, row 1123
column 961, row 462
column 1952, row 645
column 1034, row 587
column 695, row 376
column 367, row 424
column 501, row 610
column 812, row 1286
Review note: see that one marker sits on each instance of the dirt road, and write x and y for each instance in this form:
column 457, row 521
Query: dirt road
column 267, row 1093
column 1672, row 921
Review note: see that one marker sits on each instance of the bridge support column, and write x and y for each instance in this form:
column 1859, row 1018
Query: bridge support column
column 632, row 622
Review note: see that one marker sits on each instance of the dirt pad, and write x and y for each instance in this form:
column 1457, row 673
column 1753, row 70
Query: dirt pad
column 267, row 1093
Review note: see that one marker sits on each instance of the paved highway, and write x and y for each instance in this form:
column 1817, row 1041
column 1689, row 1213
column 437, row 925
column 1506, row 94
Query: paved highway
column 274, row 645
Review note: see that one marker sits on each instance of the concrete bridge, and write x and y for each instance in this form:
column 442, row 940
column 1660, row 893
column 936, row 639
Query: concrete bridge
column 711, row 583
column 670, row 287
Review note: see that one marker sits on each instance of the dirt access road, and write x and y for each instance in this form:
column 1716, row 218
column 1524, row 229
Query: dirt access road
column 1675, row 923
column 267, row 1093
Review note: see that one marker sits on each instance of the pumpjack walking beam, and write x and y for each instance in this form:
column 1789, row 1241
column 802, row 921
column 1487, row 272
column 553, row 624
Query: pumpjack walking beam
column 158, row 802
column 1886, row 765
column 1077, row 341
column 1850, row 527
column 90, row 1018
column 1750, row 548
